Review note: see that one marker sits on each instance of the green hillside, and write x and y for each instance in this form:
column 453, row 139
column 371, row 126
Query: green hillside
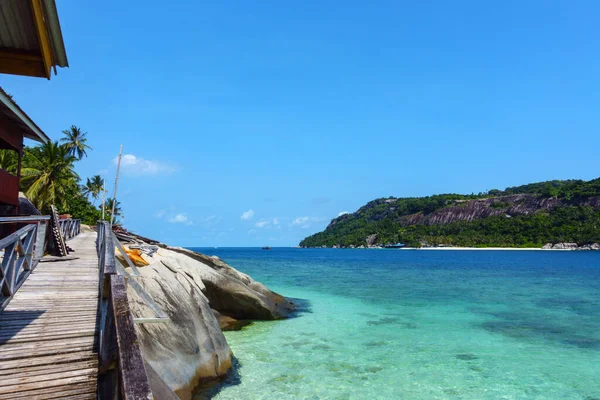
column 522, row 216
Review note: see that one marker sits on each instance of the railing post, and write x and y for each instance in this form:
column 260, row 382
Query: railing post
column 40, row 240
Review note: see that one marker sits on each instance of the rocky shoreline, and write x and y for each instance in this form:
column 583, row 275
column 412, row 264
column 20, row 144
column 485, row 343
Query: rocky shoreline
column 202, row 296
column 547, row 246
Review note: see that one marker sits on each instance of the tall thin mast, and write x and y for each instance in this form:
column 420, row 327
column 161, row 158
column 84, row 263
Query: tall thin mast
column 112, row 213
column 103, row 196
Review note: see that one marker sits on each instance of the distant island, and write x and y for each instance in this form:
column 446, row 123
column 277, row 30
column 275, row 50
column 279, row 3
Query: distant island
column 559, row 214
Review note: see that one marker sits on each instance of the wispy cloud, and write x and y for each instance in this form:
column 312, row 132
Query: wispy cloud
column 247, row 215
column 210, row 221
column 305, row 222
column 136, row 165
column 343, row 213
column 268, row 223
column 180, row 219
column 300, row 220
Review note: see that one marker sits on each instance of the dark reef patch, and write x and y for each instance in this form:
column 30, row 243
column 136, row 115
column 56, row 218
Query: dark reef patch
column 376, row 343
column 301, row 306
column 466, row 356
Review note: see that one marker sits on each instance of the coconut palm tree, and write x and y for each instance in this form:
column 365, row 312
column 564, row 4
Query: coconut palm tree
column 108, row 204
column 74, row 141
column 9, row 160
column 93, row 187
column 47, row 175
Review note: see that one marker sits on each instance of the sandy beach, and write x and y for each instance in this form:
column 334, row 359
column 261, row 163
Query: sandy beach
column 485, row 248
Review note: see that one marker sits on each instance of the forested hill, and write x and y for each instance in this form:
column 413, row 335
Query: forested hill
column 522, row 216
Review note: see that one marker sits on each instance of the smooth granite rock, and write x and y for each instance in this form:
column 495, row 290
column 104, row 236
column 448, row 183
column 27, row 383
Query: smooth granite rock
column 565, row 246
column 187, row 286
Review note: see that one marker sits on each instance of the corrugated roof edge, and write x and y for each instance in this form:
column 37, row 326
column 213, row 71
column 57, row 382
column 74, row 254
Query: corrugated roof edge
column 14, row 107
column 58, row 43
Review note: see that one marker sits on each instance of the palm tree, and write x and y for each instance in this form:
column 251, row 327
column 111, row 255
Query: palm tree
column 118, row 211
column 9, row 161
column 48, row 175
column 93, row 187
column 74, row 141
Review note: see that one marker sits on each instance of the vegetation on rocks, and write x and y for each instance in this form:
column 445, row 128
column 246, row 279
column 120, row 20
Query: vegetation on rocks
column 522, row 216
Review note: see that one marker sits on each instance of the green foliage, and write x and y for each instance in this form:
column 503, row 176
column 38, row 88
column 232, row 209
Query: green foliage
column 499, row 204
column 48, row 177
column 93, row 187
column 75, row 142
column 108, row 205
column 9, row 160
column 80, row 207
column 572, row 220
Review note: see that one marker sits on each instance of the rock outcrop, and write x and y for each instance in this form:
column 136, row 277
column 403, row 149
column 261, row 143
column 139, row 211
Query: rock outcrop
column 200, row 294
column 570, row 246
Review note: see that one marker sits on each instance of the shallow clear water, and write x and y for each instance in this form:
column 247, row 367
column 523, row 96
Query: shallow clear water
column 388, row 324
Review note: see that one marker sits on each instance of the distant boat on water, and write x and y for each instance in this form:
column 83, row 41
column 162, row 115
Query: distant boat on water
column 266, row 248
column 394, row 246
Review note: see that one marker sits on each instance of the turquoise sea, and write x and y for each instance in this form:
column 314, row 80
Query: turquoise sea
column 401, row 324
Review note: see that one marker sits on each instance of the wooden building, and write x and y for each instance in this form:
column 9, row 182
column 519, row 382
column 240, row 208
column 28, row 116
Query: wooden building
column 31, row 42
column 15, row 125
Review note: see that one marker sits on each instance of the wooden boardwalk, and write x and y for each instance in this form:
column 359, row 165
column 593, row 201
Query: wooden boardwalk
column 49, row 330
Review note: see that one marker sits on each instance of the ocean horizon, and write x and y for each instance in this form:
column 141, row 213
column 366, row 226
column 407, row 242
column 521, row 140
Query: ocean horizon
column 419, row 325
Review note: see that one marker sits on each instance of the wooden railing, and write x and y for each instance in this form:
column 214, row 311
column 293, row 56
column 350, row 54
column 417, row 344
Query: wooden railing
column 69, row 228
column 122, row 374
column 20, row 252
column 17, row 262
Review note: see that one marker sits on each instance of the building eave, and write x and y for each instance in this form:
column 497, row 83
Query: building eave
column 31, row 130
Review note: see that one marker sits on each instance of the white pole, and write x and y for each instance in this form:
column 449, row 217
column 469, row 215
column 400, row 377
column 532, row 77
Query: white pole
column 103, row 197
column 112, row 213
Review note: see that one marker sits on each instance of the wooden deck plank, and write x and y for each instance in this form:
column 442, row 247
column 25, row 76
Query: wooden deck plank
column 57, row 392
column 49, row 330
column 6, row 366
column 27, row 371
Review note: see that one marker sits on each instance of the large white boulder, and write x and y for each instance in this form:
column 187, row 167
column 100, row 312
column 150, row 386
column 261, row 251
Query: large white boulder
column 187, row 286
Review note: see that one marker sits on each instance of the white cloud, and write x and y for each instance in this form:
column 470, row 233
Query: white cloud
column 268, row 223
column 180, row 219
column 159, row 214
column 300, row 221
column 305, row 222
column 343, row 213
column 262, row 223
column 211, row 220
column 140, row 166
column 247, row 215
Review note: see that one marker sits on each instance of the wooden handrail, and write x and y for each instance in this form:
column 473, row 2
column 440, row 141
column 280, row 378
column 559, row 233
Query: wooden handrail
column 69, row 228
column 23, row 249
column 24, row 219
column 17, row 262
column 121, row 365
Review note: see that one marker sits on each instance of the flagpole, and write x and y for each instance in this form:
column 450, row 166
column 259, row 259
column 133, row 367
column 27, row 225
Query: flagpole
column 112, row 213
column 103, row 197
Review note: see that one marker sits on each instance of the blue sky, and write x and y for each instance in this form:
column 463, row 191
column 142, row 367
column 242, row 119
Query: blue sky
column 251, row 123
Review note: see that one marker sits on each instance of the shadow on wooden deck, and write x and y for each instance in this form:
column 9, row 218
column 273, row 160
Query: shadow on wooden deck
column 22, row 323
